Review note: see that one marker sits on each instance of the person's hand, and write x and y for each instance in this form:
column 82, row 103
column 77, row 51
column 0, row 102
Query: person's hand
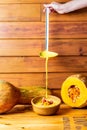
column 54, row 6
column 67, row 7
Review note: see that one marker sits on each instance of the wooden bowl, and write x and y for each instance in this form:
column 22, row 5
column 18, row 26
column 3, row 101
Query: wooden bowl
column 48, row 109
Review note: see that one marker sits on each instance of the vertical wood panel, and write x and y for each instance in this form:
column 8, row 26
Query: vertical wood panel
column 37, row 64
column 55, row 80
column 37, row 30
column 20, row 12
column 27, row 47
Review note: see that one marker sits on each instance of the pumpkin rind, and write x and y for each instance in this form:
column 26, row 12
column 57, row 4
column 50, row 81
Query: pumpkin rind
column 78, row 99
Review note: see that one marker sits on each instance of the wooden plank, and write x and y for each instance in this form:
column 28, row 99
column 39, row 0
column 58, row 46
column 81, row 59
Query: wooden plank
column 17, row 12
column 37, row 30
column 55, row 80
column 78, row 15
column 30, row 1
column 27, row 47
column 37, row 64
column 23, row 117
column 19, row 80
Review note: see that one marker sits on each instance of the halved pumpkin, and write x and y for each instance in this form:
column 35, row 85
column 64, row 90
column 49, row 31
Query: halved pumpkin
column 74, row 91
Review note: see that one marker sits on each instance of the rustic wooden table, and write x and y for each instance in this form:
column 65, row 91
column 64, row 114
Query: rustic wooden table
column 23, row 118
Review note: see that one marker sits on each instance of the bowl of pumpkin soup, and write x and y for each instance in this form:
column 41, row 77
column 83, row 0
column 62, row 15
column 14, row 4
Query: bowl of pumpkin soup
column 46, row 105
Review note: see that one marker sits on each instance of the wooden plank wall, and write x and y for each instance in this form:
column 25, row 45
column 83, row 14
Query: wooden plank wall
column 22, row 38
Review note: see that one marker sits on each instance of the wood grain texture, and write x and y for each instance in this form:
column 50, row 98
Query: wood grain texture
column 37, row 30
column 33, row 12
column 22, row 38
column 28, row 47
column 17, row 12
column 37, row 64
column 23, row 118
column 30, row 1
column 55, row 80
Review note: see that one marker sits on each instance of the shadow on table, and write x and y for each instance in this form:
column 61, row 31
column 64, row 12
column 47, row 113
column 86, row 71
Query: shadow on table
column 64, row 109
column 19, row 109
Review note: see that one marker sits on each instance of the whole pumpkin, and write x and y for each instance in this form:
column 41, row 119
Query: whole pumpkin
column 9, row 96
